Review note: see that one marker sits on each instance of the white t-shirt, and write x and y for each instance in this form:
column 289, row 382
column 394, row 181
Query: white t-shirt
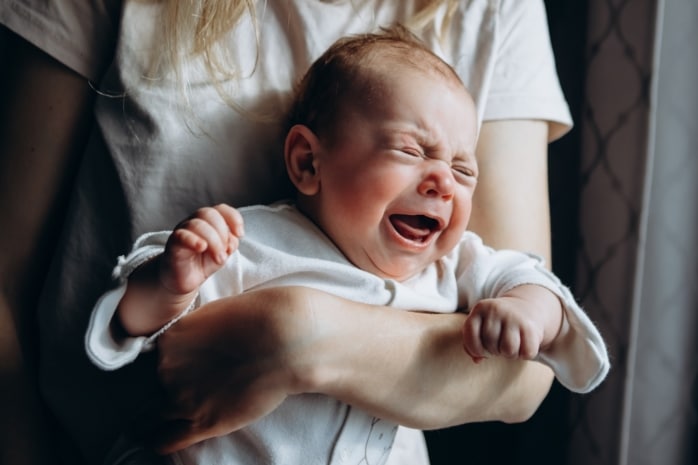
column 151, row 160
column 282, row 247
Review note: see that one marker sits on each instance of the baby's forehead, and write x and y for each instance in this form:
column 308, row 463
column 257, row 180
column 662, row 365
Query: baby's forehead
column 375, row 81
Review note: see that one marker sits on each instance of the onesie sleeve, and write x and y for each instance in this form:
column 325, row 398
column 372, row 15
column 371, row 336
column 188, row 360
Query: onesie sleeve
column 103, row 349
column 580, row 361
column 80, row 34
column 524, row 82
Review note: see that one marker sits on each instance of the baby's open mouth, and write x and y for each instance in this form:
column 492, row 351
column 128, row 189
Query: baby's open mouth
column 414, row 227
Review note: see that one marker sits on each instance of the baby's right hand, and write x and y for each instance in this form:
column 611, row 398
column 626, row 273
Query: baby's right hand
column 199, row 246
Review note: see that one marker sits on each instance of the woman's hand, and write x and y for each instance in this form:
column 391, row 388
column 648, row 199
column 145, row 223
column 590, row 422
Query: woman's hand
column 228, row 364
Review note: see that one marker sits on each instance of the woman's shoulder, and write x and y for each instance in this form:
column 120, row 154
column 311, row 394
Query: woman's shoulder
column 81, row 35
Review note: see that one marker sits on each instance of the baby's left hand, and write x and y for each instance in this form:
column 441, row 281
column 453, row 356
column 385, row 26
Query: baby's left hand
column 517, row 325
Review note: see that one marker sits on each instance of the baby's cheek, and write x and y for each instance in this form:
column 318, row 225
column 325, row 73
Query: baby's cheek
column 452, row 235
column 461, row 216
column 449, row 239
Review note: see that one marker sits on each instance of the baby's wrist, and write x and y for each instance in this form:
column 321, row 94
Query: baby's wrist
column 556, row 330
column 176, row 301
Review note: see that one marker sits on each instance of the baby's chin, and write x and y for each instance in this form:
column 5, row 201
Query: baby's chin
column 398, row 269
column 389, row 262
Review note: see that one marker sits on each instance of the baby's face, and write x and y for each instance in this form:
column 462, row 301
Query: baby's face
column 397, row 184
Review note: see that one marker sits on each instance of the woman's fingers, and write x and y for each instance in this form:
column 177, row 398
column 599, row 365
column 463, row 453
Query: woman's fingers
column 174, row 435
column 169, row 437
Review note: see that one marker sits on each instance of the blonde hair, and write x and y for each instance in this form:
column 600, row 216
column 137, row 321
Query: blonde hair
column 195, row 28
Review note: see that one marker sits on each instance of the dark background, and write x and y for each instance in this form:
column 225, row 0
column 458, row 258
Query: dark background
column 542, row 440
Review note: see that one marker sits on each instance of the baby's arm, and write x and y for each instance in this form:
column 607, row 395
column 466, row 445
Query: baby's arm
column 521, row 323
column 519, row 309
column 164, row 287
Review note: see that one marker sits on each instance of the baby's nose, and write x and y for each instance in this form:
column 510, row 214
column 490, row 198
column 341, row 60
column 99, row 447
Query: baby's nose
column 438, row 180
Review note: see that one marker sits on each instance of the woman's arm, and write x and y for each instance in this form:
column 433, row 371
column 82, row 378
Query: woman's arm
column 511, row 207
column 411, row 368
column 236, row 359
column 44, row 120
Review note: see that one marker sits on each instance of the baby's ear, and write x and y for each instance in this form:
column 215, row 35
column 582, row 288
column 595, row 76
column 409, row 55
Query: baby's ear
column 302, row 163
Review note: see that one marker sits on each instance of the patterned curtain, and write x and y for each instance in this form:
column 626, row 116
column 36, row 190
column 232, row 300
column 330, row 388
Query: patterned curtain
column 637, row 272
column 624, row 201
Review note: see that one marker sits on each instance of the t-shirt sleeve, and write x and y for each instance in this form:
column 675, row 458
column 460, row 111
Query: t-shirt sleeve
column 80, row 34
column 524, row 83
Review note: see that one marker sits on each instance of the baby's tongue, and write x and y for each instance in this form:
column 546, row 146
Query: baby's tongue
column 412, row 226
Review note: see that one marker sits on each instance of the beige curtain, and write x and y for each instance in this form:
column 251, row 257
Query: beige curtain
column 637, row 272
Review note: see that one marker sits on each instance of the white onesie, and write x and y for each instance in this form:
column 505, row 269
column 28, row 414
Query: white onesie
column 281, row 247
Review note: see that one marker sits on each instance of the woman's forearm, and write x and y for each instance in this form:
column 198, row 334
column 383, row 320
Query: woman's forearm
column 510, row 207
column 411, row 367
column 236, row 359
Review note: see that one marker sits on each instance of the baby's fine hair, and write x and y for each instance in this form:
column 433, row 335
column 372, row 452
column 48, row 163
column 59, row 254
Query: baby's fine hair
column 345, row 74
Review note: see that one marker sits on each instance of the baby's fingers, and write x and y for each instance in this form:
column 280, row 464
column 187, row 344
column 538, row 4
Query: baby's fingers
column 530, row 344
column 188, row 240
column 510, row 341
column 207, row 232
column 491, row 333
column 233, row 219
column 472, row 344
